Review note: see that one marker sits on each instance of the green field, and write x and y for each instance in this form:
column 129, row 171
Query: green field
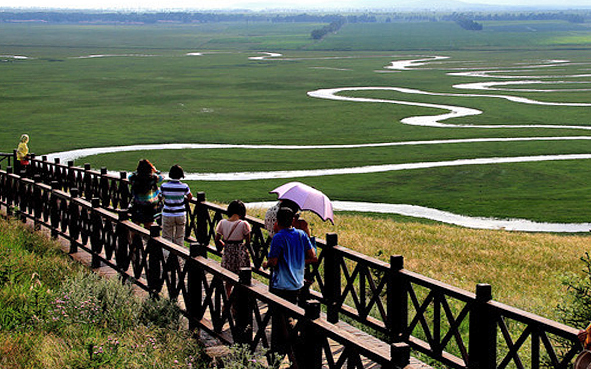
column 145, row 89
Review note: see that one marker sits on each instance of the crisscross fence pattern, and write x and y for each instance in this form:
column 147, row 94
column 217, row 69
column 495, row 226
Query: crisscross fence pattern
column 455, row 327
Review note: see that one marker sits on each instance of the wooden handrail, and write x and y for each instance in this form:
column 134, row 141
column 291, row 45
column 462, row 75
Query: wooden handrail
column 433, row 309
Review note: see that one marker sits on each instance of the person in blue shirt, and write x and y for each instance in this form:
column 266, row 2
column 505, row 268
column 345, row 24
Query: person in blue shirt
column 289, row 253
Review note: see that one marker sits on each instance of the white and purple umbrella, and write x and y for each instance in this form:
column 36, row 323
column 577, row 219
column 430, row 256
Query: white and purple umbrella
column 307, row 198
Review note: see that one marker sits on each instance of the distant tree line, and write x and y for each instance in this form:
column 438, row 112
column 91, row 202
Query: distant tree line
column 176, row 17
column 573, row 17
column 334, row 26
column 247, row 16
column 468, row 24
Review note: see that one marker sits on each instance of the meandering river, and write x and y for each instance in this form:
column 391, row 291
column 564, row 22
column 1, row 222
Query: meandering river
column 450, row 111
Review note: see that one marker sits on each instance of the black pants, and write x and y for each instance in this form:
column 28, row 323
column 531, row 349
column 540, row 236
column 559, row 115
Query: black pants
column 283, row 333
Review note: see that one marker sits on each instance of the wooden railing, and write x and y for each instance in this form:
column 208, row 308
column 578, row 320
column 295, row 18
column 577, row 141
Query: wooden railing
column 7, row 159
column 196, row 282
column 460, row 329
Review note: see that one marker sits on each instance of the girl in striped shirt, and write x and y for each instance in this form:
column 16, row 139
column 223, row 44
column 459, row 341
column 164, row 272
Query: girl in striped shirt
column 175, row 193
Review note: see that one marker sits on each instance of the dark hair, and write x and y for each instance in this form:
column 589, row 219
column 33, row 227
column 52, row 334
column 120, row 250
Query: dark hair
column 145, row 168
column 143, row 180
column 237, row 207
column 285, row 217
column 285, row 203
column 176, row 172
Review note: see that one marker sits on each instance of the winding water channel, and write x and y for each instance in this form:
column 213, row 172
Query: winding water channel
column 450, row 111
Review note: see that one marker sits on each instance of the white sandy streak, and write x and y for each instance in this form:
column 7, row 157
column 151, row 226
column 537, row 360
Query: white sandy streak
column 17, row 57
column 249, row 176
column 492, row 86
column 408, row 64
column 519, row 225
column 66, row 156
column 402, row 209
column 455, row 111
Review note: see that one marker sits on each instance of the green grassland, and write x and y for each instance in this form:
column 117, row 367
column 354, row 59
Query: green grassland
column 151, row 92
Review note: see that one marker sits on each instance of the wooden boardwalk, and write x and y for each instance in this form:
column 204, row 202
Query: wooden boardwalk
column 214, row 347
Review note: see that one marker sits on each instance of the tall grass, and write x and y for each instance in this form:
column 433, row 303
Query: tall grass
column 526, row 270
column 56, row 314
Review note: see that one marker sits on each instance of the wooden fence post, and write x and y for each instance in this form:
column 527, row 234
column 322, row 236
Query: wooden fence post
column 37, row 202
column 56, row 174
column 483, row 331
column 197, row 249
column 195, row 276
column 70, row 176
column 44, row 169
column 202, row 215
column 399, row 355
column 243, row 313
column 332, row 278
column 124, row 192
column 87, row 182
column 32, row 165
column 54, row 209
column 104, row 188
column 9, row 192
column 95, row 234
column 74, row 226
column 16, row 165
column 397, row 321
column 123, row 250
column 12, row 159
column 156, row 256
column 309, row 350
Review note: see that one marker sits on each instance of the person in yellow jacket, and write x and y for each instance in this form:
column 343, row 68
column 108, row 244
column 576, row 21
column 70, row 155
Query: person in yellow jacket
column 22, row 151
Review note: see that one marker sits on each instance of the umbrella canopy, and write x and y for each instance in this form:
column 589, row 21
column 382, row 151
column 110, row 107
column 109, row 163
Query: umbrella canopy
column 307, row 198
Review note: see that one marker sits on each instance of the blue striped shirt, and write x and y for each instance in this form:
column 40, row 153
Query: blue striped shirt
column 174, row 192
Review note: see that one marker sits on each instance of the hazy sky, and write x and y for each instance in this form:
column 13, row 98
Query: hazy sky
column 262, row 4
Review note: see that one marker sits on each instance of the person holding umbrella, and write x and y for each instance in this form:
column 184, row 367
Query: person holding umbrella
column 271, row 217
column 289, row 253
column 298, row 196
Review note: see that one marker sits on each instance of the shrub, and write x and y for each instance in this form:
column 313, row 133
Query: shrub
column 240, row 357
column 575, row 309
column 162, row 313
column 87, row 299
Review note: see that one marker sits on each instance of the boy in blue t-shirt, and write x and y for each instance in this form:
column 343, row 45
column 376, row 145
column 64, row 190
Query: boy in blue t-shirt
column 289, row 253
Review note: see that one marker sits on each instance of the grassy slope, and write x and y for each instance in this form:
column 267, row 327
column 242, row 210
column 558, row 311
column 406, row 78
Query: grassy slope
column 47, row 318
